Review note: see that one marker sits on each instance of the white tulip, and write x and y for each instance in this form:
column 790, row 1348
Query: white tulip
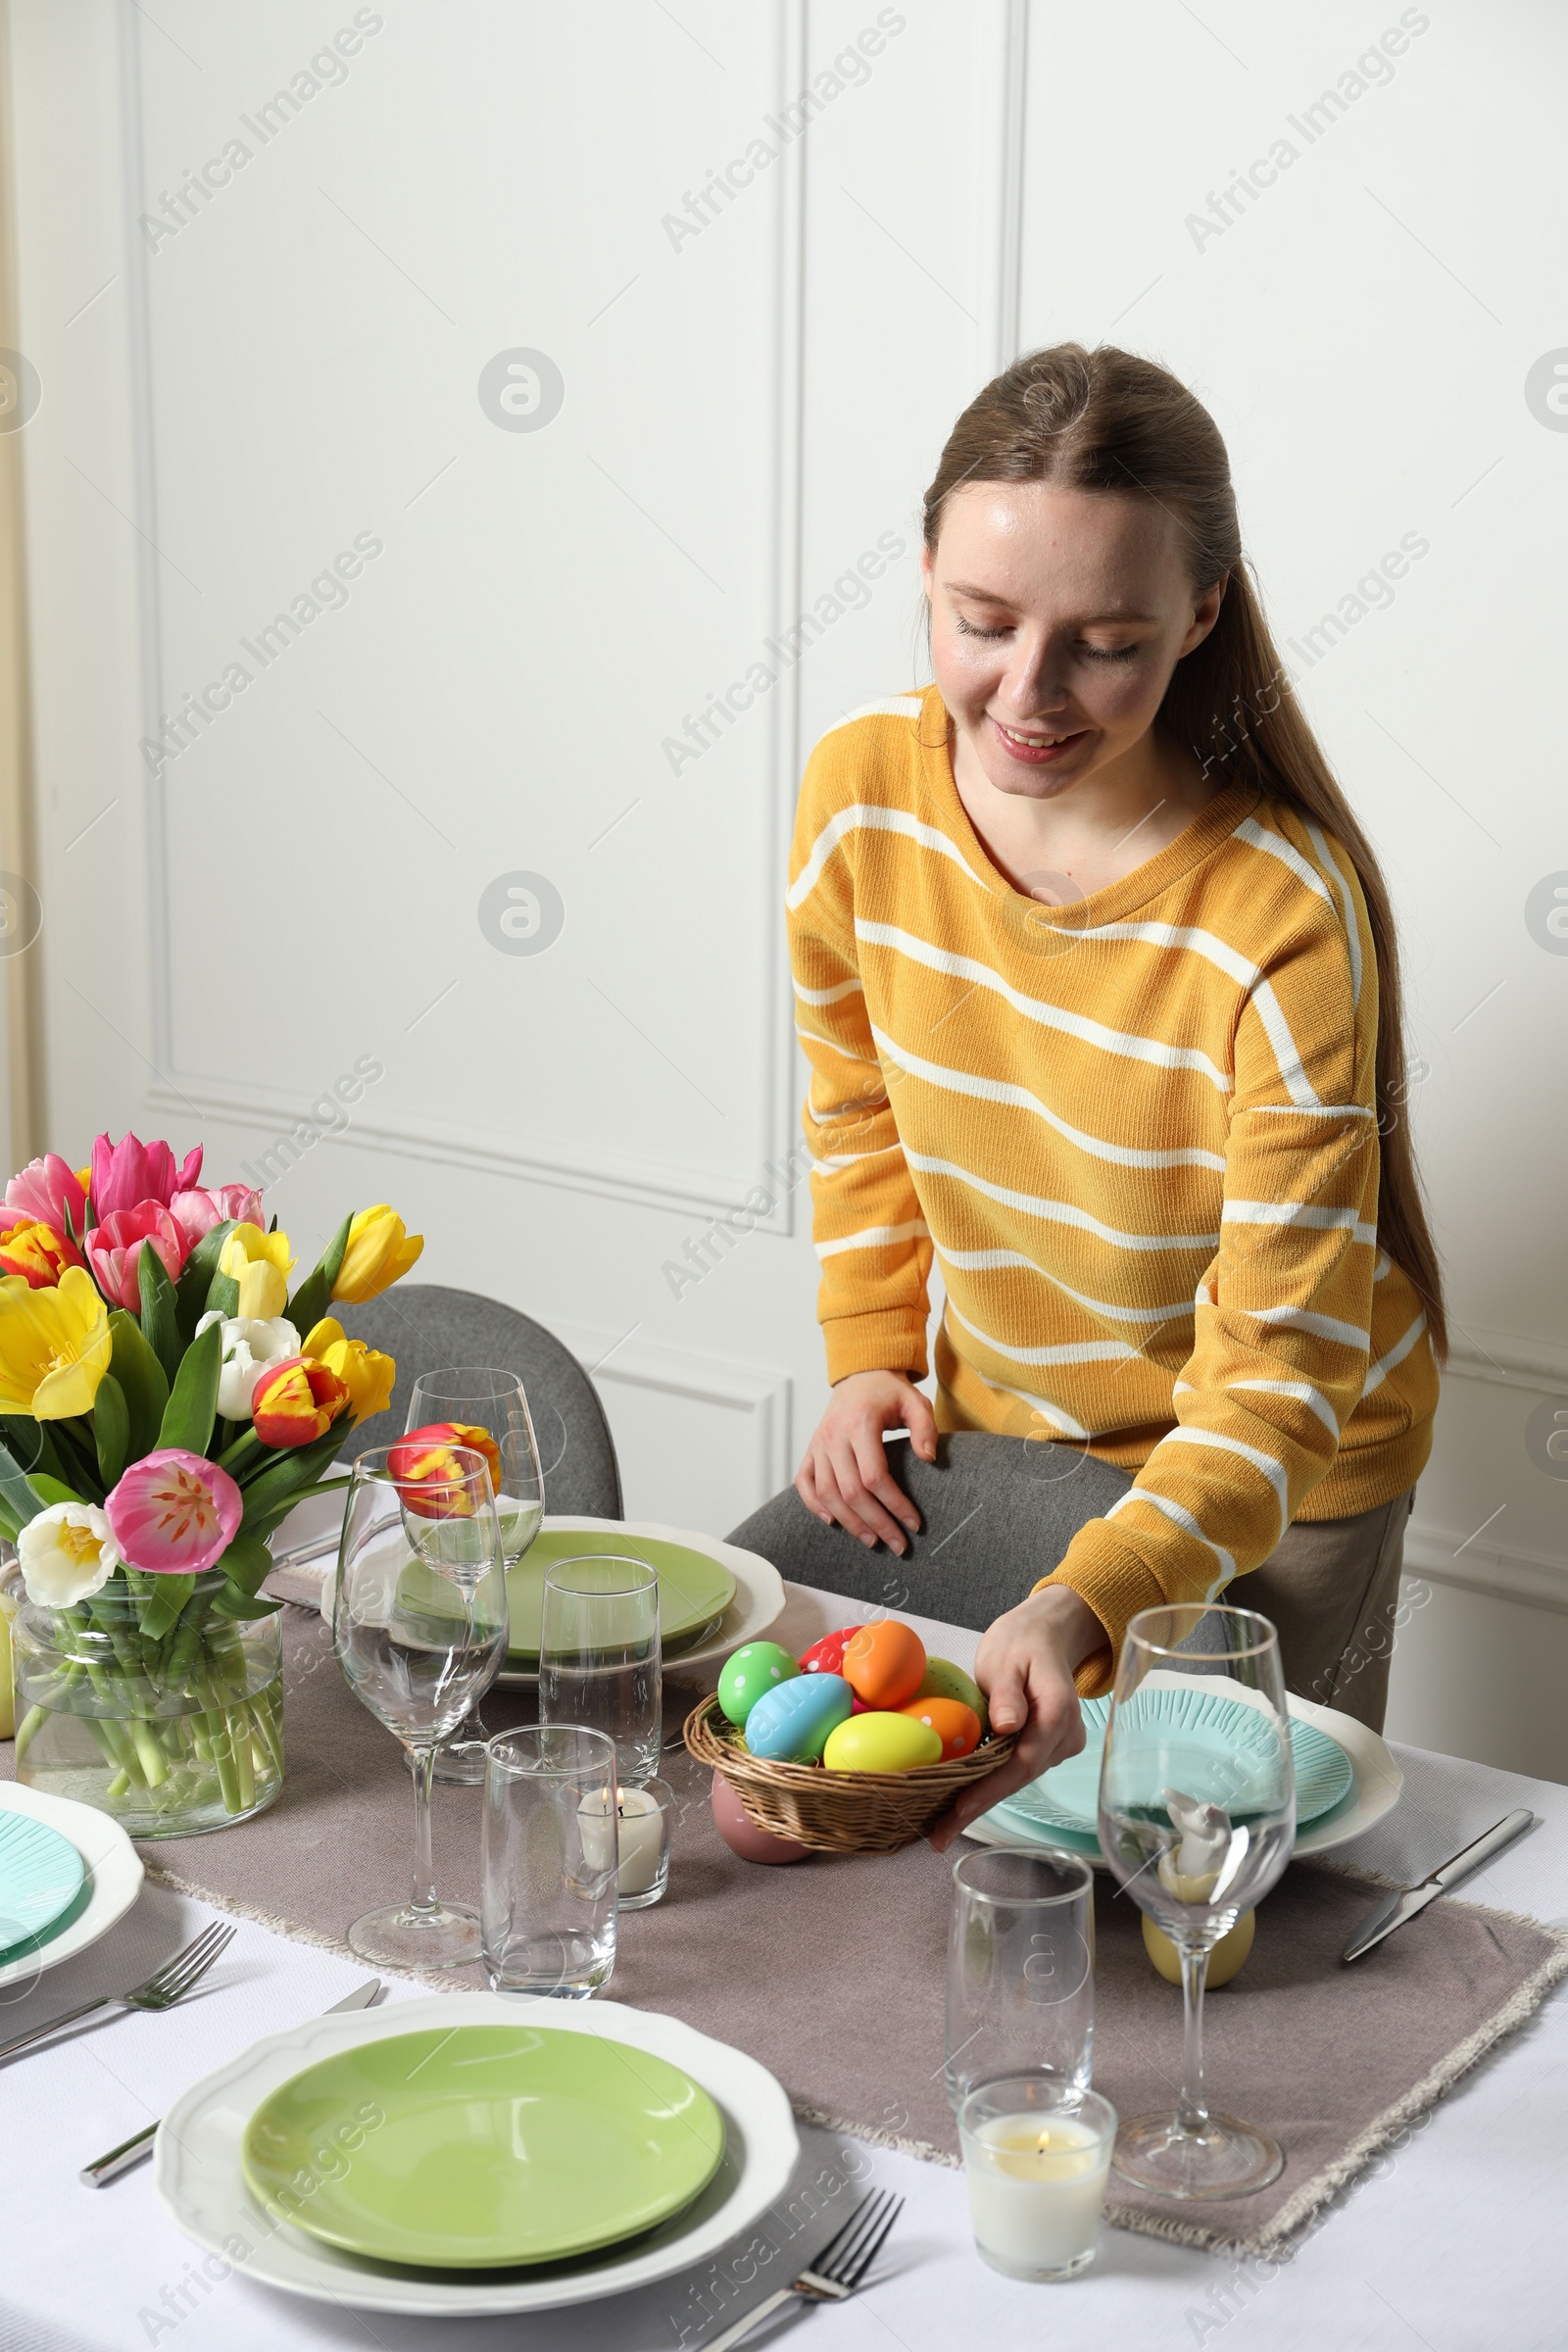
column 249, row 1347
column 67, row 1555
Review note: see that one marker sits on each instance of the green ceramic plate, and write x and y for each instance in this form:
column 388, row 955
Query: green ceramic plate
column 40, row 1878
column 481, row 2148
column 691, row 1587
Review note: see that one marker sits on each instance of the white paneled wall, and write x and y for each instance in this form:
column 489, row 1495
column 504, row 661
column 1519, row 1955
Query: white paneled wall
column 501, row 704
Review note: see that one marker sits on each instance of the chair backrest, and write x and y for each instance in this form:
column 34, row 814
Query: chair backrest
column 426, row 1329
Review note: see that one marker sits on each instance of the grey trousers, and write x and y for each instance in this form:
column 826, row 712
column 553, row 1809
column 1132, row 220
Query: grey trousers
column 997, row 1513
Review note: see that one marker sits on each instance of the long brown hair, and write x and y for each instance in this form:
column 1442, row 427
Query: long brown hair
column 1104, row 419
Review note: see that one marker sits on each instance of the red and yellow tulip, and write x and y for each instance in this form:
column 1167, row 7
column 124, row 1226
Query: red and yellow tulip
column 36, row 1251
column 296, row 1402
column 434, row 1479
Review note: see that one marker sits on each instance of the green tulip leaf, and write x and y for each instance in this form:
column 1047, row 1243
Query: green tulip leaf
column 21, row 1499
column 33, row 1443
column 196, row 1279
column 159, row 1326
column 161, row 1612
column 247, row 1563
column 193, row 1399
column 230, row 1603
column 314, row 1296
column 55, row 1489
column 285, row 1476
column 111, row 1428
column 143, row 1383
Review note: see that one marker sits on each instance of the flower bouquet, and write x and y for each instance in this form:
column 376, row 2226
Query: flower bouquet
column 161, row 1413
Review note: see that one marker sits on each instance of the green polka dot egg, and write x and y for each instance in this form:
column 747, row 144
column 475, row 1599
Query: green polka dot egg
column 757, row 1667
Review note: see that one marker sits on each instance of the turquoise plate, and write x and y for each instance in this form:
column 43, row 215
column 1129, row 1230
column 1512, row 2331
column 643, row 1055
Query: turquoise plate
column 1210, row 1742
column 40, row 1878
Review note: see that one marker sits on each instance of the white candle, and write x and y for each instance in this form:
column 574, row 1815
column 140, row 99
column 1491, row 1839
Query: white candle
column 642, row 1841
column 1037, row 2183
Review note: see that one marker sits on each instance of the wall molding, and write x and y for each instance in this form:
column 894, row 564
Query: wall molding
column 1505, row 1360
column 582, row 1166
column 1495, row 1571
column 762, row 1398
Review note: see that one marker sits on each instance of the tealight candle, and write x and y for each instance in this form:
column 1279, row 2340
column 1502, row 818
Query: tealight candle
column 1036, row 2154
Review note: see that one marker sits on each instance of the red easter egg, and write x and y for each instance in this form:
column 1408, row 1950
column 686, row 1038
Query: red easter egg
column 827, row 1656
column 884, row 1663
column 957, row 1726
column 742, row 1835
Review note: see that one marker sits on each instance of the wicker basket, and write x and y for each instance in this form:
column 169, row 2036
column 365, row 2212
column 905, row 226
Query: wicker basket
column 837, row 1812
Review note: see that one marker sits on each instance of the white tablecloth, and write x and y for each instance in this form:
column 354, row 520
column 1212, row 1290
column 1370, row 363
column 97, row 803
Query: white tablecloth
column 1452, row 2241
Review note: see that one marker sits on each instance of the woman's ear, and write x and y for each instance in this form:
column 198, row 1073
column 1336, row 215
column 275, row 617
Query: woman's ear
column 927, row 568
column 1204, row 614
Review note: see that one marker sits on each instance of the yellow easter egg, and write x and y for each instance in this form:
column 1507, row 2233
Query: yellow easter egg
column 881, row 1743
column 1223, row 1961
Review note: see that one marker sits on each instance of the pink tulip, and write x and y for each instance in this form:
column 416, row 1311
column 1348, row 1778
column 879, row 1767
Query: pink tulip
column 44, row 1191
column 115, row 1245
column 173, row 1514
column 127, row 1173
column 196, row 1213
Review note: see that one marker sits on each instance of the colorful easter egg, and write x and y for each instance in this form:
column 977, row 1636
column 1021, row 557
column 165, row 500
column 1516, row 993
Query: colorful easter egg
column 884, row 1663
column 742, row 1835
column 881, row 1743
column 957, row 1726
column 790, row 1724
column 757, row 1667
column 944, row 1679
column 827, row 1655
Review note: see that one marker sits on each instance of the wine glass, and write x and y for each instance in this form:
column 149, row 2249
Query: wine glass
column 1197, row 1820
column 491, row 1403
column 420, row 1630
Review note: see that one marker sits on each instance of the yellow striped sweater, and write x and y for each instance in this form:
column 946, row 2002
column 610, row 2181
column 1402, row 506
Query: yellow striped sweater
column 1136, row 1133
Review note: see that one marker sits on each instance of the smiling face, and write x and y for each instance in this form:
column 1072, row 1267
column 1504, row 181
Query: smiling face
column 1058, row 616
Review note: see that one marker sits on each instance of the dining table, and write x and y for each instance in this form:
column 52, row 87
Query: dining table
column 1450, row 2239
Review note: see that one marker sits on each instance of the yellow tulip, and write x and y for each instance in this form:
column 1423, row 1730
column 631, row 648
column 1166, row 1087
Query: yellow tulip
column 54, row 1346
column 260, row 1263
column 366, row 1375
column 379, row 1253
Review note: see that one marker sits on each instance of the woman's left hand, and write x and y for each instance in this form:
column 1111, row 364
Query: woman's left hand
column 1026, row 1667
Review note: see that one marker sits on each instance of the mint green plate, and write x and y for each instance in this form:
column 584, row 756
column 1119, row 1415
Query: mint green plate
column 481, row 2148
column 40, row 1878
column 691, row 1587
column 1210, row 1747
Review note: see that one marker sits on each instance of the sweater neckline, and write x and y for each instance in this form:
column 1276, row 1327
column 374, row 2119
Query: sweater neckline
column 1209, row 828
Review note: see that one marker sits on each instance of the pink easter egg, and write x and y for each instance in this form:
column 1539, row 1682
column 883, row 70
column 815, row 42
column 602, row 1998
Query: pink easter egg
column 742, row 1835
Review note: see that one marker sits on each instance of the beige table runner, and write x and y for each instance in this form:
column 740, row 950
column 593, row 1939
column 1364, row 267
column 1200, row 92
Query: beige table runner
column 831, row 1972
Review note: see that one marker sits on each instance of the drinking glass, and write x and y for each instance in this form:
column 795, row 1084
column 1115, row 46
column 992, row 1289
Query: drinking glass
column 1036, row 2157
column 492, row 1400
column 599, row 1655
column 1020, row 1967
column 420, row 1630
column 549, row 1853
column 1197, row 1820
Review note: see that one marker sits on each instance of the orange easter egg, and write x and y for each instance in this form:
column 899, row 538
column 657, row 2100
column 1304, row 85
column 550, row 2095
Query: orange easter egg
column 884, row 1663
column 957, row 1726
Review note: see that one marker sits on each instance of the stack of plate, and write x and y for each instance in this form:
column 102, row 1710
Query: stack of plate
column 712, row 1595
column 67, row 1873
column 476, row 2153
column 1345, row 1777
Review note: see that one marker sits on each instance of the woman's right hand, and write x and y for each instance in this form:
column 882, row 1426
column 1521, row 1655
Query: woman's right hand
column 845, row 1476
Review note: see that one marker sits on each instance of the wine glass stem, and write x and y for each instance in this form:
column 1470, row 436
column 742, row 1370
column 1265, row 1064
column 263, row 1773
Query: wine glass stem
column 1192, row 2114
column 423, row 1899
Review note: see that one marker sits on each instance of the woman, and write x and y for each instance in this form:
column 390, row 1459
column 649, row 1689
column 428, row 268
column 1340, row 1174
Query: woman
column 1098, row 979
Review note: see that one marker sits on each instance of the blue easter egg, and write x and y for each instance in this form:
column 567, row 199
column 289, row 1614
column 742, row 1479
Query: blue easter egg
column 790, row 1725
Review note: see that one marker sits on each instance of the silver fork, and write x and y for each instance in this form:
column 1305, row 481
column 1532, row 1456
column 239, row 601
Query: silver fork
column 162, row 1989
column 835, row 2272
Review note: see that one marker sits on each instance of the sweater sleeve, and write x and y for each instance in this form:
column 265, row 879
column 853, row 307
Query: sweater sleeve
column 870, row 1236
column 1280, row 1345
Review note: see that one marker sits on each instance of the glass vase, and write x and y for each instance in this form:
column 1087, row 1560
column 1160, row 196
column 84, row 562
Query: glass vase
column 173, row 1734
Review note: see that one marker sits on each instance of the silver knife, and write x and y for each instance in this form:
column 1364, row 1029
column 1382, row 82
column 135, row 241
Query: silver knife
column 132, row 2151
column 1396, row 1909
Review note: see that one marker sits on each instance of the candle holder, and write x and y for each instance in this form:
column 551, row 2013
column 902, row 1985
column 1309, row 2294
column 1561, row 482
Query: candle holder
column 1037, row 2157
column 644, row 1834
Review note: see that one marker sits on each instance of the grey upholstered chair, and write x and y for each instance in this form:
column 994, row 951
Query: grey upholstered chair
column 426, row 1329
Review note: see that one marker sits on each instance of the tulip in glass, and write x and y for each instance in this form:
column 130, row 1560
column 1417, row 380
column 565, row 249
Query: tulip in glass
column 54, row 1346
column 116, row 1244
column 37, row 1252
column 296, row 1402
column 173, row 1513
column 368, row 1375
column 379, row 1253
column 67, row 1555
column 127, row 1173
column 260, row 1263
column 48, row 1191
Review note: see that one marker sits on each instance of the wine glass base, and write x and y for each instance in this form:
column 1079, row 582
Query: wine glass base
column 1226, row 2159
column 398, row 1937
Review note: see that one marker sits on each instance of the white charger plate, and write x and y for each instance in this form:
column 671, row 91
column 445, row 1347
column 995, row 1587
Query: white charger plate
column 114, row 1874
column 1374, row 1790
column 196, row 2162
